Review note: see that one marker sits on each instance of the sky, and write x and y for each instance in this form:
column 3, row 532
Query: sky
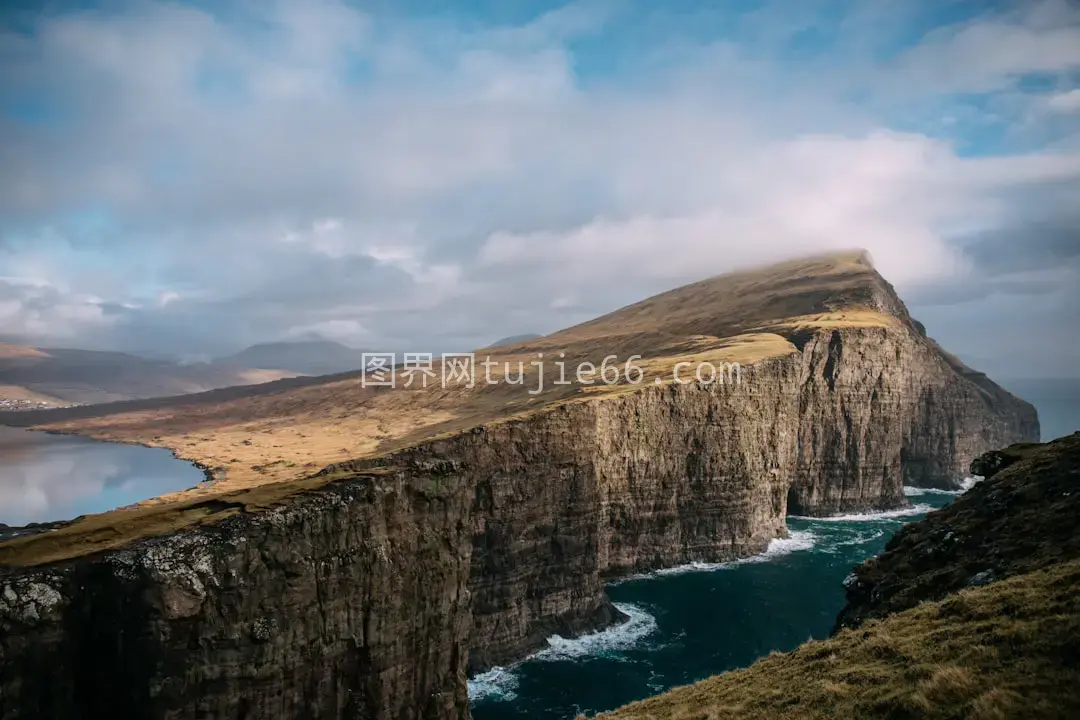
column 191, row 178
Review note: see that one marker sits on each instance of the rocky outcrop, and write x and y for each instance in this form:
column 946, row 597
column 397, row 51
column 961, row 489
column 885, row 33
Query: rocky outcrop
column 349, row 603
column 1020, row 519
column 370, row 596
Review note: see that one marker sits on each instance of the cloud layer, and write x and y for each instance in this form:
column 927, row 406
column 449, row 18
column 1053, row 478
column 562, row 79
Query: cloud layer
column 189, row 182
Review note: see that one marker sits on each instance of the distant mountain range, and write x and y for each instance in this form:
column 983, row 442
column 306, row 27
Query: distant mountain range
column 318, row 357
column 39, row 377
column 64, row 376
column 307, row 357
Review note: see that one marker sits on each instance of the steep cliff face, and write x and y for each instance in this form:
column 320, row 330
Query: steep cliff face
column 881, row 408
column 674, row 474
column 349, row 603
column 371, row 595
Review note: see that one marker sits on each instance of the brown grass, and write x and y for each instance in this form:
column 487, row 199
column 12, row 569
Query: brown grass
column 10, row 351
column 1005, row 650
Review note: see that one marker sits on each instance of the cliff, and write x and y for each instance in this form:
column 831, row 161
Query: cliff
column 1021, row 518
column 347, row 603
column 502, row 513
column 970, row 612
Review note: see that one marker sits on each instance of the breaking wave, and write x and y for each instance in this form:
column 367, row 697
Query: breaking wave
column 965, row 485
column 870, row 517
column 858, row 538
column 501, row 683
column 612, row 639
column 796, row 540
column 496, row 684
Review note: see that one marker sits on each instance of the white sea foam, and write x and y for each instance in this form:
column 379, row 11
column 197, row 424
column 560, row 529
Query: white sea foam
column 613, row 639
column 870, row 517
column 796, row 540
column 966, row 484
column 970, row 482
column 918, row 491
column 860, row 538
column 496, row 684
column 501, row 683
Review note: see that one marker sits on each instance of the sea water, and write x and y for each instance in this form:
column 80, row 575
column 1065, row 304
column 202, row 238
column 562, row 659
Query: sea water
column 691, row 622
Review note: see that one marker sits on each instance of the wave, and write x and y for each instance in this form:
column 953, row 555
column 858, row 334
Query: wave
column 918, row 491
column 797, row 540
column 858, row 539
column 498, row 683
column 970, row 482
column 501, row 683
column 869, row 517
column 966, row 484
column 615, row 638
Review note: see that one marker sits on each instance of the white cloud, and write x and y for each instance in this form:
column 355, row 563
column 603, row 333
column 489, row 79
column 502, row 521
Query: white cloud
column 991, row 53
column 344, row 331
column 1066, row 102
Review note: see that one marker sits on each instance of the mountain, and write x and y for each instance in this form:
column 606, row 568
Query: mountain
column 307, row 357
column 514, row 339
column 408, row 535
column 62, row 376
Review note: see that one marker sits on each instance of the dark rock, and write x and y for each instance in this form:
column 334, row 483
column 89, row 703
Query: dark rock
column 1021, row 518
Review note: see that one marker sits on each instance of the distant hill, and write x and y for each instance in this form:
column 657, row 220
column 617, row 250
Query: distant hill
column 61, row 376
column 306, row 357
column 515, row 339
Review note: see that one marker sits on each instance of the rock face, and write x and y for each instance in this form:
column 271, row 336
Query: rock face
column 1021, row 518
column 370, row 597
column 351, row 603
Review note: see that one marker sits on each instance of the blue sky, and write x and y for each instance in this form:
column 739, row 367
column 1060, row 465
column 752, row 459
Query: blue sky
column 193, row 177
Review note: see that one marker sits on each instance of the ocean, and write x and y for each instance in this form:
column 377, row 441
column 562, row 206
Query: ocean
column 690, row 622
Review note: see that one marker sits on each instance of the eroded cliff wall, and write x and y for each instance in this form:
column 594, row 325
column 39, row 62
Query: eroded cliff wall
column 350, row 603
column 674, row 474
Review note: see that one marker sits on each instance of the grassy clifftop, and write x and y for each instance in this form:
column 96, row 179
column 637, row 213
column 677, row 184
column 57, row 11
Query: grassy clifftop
column 973, row 612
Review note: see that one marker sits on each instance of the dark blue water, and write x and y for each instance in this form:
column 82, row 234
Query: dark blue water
column 690, row 623
column 56, row 477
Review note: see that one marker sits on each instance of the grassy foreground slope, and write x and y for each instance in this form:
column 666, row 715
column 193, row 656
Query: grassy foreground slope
column 973, row 612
